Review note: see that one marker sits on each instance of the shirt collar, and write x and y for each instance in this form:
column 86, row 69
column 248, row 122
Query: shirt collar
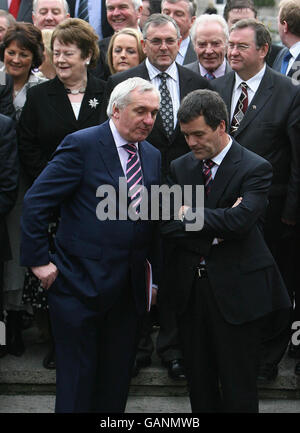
column 219, row 158
column 153, row 71
column 295, row 50
column 119, row 140
column 219, row 72
column 253, row 83
column 184, row 45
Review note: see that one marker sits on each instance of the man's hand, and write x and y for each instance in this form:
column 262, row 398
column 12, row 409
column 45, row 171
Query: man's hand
column 47, row 274
column 182, row 212
column 238, row 201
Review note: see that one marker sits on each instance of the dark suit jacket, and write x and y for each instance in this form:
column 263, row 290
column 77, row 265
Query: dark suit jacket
column 25, row 10
column 106, row 28
column 176, row 145
column 95, row 258
column 271, row 128
column 8, row 179
column 241, row 270
column 190, row 54
column 102, row 70
column 47, row 117
column 195, row 67
column 294, row 70
column 6, row 95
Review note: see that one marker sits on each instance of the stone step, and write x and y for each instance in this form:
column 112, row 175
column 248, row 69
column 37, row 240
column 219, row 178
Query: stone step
column 26, row 375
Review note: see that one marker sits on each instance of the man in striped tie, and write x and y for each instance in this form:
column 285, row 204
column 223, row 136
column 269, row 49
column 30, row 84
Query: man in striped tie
column 96, row 279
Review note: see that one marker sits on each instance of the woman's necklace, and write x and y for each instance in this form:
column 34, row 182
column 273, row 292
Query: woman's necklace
column 75, row 91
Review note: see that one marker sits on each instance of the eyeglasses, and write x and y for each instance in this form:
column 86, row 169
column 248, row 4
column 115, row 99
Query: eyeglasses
column 239, row 47
column 158, row 42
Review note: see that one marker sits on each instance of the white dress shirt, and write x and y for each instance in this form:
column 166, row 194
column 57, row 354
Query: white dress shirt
column 253, row 84
column 172, row 84
column 295, row 51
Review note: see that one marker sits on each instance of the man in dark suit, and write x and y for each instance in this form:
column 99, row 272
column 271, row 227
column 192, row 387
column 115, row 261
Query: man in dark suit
column 46, row 14
column 96, row 279
column 161, row 41
column 224, row 277
column 184, row 13
column 95, row 15
column 22, row 10
column 8, row 193
column 288, row 59
column 210, row 38
column 265, row 119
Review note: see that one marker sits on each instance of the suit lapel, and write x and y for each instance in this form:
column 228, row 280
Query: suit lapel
column 225, row 172
column 109, row 153
column 261, row 97
column 295, row 67
column 60, row 103
column 92, row 97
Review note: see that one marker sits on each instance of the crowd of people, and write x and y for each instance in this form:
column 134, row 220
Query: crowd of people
column 85, row 86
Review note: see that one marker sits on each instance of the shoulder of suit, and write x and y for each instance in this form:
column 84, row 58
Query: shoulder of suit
column 251, row 157
column 197, row 78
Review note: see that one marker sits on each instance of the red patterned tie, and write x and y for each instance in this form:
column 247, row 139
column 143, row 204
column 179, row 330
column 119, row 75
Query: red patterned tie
column 240, row 109
column 14, row 7
column 208, row 179
column 134, row 175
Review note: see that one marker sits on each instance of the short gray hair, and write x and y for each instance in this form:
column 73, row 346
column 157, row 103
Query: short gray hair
column 135, row 3
column 157, row 20
column 208, row 19
column 192, row 6
column 63, row 2
column 120, row 96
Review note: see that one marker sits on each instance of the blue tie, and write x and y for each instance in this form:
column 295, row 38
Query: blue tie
column 285, row 62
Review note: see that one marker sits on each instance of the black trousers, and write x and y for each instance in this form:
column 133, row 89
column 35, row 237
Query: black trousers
column 221, row 359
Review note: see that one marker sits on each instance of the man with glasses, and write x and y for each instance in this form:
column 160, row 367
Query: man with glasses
column 161, row 42
column 264, row 109
column 210, row 37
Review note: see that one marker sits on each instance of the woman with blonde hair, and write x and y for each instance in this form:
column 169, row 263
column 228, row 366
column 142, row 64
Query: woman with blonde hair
column 125, row 50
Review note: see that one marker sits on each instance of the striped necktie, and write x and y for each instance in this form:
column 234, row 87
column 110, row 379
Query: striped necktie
column 83, row 10
column 134, row 176
column 207, row 174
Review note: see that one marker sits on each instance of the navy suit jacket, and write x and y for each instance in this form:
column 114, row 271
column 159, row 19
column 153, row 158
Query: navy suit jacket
column 95, row 258
column 294, row 71
column 241, row 270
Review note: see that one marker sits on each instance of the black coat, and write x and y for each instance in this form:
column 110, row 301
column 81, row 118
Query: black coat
column 8, row 179
column 47, row 117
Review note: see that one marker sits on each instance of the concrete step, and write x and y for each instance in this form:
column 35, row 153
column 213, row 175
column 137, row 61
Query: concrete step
column 26, row 375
